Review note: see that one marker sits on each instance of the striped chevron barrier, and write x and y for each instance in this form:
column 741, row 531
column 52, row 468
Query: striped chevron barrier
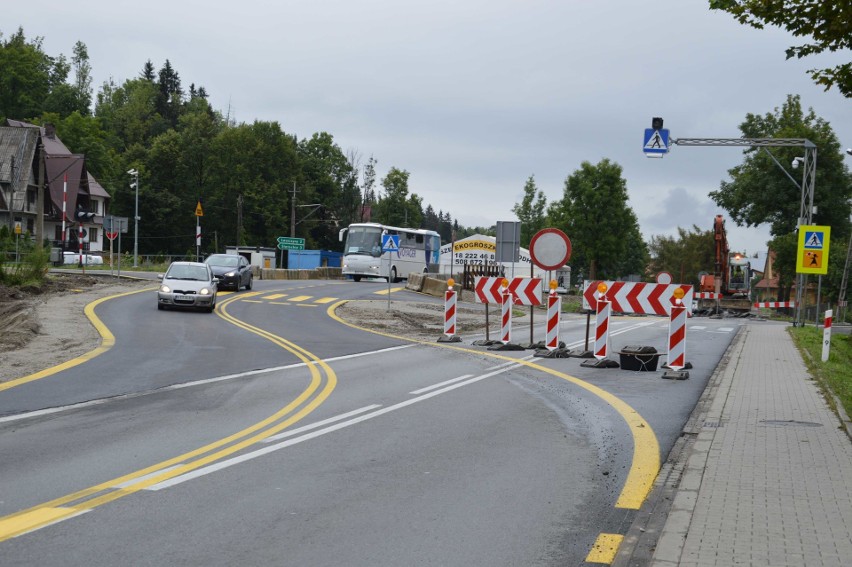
column 637, row 297
column 450, row 313
column 506, row 323
column 677, row 338
column 554, row 306
column 602, row 329
column 776, row 304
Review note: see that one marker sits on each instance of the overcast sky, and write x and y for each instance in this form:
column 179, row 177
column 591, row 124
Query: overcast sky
column 471, row 97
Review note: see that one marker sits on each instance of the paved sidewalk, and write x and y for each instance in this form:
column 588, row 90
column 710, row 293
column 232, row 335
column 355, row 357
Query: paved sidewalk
column 762, row 476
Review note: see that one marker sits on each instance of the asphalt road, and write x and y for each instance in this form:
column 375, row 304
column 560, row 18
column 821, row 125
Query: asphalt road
column 270, row 433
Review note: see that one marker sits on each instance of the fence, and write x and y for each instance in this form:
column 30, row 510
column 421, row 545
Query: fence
column 472, row 271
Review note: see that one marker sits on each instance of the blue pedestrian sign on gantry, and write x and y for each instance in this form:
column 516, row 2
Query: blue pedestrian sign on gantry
column 656, row 143
column 390, row 243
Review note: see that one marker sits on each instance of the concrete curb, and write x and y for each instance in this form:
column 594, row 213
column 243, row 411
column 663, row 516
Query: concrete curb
column 658, row 532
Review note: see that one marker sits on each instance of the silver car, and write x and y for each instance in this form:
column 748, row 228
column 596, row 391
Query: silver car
column 188, row 284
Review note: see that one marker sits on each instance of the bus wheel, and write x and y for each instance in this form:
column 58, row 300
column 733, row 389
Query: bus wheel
column 392, row 278
column 356, row 278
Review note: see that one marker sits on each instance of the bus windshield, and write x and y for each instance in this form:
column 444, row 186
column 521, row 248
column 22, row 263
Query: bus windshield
column 365, row 240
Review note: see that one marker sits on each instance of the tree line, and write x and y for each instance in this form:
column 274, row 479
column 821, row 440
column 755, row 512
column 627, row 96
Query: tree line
column 250, row 177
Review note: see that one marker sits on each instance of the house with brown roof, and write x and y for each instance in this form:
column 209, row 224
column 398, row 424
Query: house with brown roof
column 768, row 289
column 74, row 202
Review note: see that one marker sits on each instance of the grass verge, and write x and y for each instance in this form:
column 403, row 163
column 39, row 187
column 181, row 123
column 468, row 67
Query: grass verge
column 834, row 375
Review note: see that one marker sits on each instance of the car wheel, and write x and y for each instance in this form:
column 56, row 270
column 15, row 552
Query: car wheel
column 160, row 306
column 248, row 285
column 392, row 278
column 356, row 278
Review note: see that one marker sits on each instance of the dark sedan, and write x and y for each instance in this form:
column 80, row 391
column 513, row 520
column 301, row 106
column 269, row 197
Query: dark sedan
column 232, row 270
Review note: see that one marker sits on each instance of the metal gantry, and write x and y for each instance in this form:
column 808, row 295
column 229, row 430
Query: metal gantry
column 806, row 207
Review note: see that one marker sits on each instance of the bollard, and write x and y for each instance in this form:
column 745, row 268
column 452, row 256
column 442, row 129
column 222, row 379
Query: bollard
column 506, row 318
column 449, row 335
column 601, row 349
column 677, row 340
column 826, row 335
column 554, row 306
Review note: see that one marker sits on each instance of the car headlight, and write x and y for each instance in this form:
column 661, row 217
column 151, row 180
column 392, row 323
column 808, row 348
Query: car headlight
column 165, row 289
column 230, row 274
column 204, row 291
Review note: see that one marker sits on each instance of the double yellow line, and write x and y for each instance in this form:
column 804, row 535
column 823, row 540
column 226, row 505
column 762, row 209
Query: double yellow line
column 82, row 501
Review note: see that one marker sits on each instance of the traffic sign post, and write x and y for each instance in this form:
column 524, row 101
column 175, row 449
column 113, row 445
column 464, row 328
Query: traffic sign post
column 390, row 243
column 656, row 143
column 812, row 257
column 287, row 243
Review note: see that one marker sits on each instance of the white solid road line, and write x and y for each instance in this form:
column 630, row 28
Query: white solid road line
column 203, row 471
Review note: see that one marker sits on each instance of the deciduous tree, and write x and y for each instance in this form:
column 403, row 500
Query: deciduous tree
column 828, row 24
column 595, row 214
column 531, row 211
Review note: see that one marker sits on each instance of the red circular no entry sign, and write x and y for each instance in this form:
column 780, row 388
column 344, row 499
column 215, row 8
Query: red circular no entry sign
column 550, row 249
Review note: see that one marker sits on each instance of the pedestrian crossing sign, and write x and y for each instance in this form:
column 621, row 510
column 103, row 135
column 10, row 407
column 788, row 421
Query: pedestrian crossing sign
column 390, row 243
column 812, row 254
column 656, row 142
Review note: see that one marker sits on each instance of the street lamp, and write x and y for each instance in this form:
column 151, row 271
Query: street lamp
column 135, row 185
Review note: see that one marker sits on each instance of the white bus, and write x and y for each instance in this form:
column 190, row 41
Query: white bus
column 419, row 251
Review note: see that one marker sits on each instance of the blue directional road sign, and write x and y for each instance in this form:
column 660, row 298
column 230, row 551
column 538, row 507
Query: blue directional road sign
column 390, row 243
column 656, row 142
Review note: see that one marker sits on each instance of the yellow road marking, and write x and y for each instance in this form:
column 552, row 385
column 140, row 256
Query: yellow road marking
column 325, row 300
column 275, row 296
column 252, row 301
column 107, row 341
column 605, row 548
column 89, row 498
column 385, row 291
column 300, row 298
column 36, row 518
column 645, row 464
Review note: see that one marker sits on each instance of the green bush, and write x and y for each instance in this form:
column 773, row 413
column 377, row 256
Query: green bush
column 30, row 270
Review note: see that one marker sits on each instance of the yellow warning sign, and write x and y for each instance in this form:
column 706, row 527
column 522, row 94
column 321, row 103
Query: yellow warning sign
column 199, row 212
column 812, row 253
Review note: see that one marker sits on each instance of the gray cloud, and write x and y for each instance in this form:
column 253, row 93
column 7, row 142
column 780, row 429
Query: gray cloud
column 471, row 97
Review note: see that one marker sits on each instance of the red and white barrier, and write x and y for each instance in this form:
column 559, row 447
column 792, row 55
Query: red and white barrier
column 707, row 295
column 525, row 291
column 637, row 297
column 450, row 313
column 677, row 337
column 602, row 329
column 554, row 307
column 776, row 304
column 506, row 322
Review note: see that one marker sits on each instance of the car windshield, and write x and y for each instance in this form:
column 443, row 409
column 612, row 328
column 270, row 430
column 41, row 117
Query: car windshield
column 197, row 273
column 226, row 261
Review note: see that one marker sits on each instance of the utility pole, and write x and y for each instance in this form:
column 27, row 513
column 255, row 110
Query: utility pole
column 293, row 212
column 40, row 198
column 239, row 219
